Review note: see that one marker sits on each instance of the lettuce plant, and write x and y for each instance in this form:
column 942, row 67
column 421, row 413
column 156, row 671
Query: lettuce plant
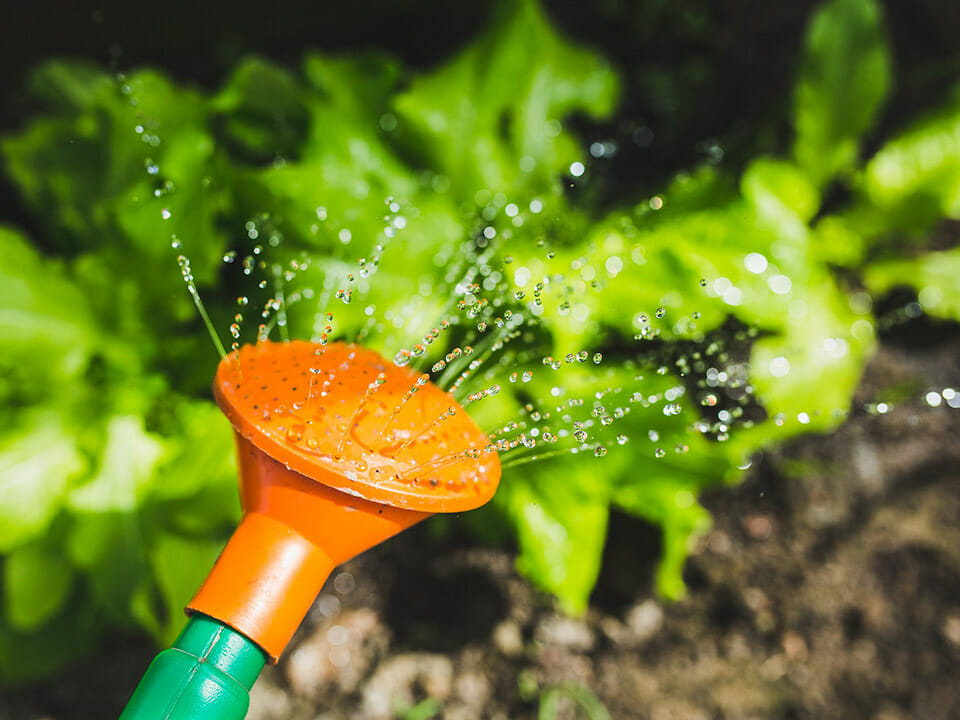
column 745, row 298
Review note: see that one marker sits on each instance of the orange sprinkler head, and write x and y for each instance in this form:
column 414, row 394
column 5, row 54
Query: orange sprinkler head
column 339, row 450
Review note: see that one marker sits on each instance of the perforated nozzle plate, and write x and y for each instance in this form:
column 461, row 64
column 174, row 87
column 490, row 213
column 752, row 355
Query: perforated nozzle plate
column 330, row 413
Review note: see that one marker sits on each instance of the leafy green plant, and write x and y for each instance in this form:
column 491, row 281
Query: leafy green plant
column 117, row 487
column 423, row 710
column 551, row 698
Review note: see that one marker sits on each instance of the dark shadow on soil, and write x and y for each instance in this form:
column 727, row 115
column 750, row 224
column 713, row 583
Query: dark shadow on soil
column 433, row 599
column 442, row 611
column 629, row 563
column 97, row 688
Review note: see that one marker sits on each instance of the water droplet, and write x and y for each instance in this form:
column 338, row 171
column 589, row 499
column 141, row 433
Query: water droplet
column 659, row 452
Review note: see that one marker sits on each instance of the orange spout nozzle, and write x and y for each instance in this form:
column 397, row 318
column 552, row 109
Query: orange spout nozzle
column 339, row 450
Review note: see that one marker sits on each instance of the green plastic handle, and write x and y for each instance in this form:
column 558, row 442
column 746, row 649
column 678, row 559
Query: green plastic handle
column 206, row 675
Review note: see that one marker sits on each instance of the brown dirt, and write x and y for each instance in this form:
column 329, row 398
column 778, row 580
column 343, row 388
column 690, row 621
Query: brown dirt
column 829, row 587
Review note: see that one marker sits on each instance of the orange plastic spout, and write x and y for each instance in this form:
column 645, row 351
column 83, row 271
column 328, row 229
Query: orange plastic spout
column 295, row 530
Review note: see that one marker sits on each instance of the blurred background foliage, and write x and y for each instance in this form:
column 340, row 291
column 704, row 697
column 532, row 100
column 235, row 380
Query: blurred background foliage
column 828, row 178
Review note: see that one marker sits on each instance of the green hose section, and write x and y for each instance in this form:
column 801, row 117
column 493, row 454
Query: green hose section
column 206, row 675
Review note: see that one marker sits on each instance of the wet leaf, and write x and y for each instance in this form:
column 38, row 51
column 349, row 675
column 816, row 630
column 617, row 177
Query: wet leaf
column 36, row 582
column 843, row 80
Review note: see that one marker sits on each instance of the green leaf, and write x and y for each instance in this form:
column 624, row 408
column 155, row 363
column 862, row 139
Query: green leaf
column 914, row 179
column 180, row 564
column 36, row 582
column 358, row 85
column 329, row 206
column 560, row 504
column 561, row 530
column 77, row 164
column 423, row 710
column 28, row 656
column 776, row 187
column 843, row 80
column 126, row 469
column 101, row 172
column 109, row 548
column 551, row 697
column 71, row 87
column 662, row 499
column 935, row 276
column 37, row 466
column 49, row 337
column 807, row 374
column 625, row 270
column 260, row 113
column 839, row 241
column 44, row 318
column 199, row 453
column 666, row 466
column 491, row 117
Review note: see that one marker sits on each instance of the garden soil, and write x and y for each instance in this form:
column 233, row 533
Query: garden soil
column 828, row 587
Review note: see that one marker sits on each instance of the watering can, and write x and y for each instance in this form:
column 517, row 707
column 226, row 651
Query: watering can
column 338, row 451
